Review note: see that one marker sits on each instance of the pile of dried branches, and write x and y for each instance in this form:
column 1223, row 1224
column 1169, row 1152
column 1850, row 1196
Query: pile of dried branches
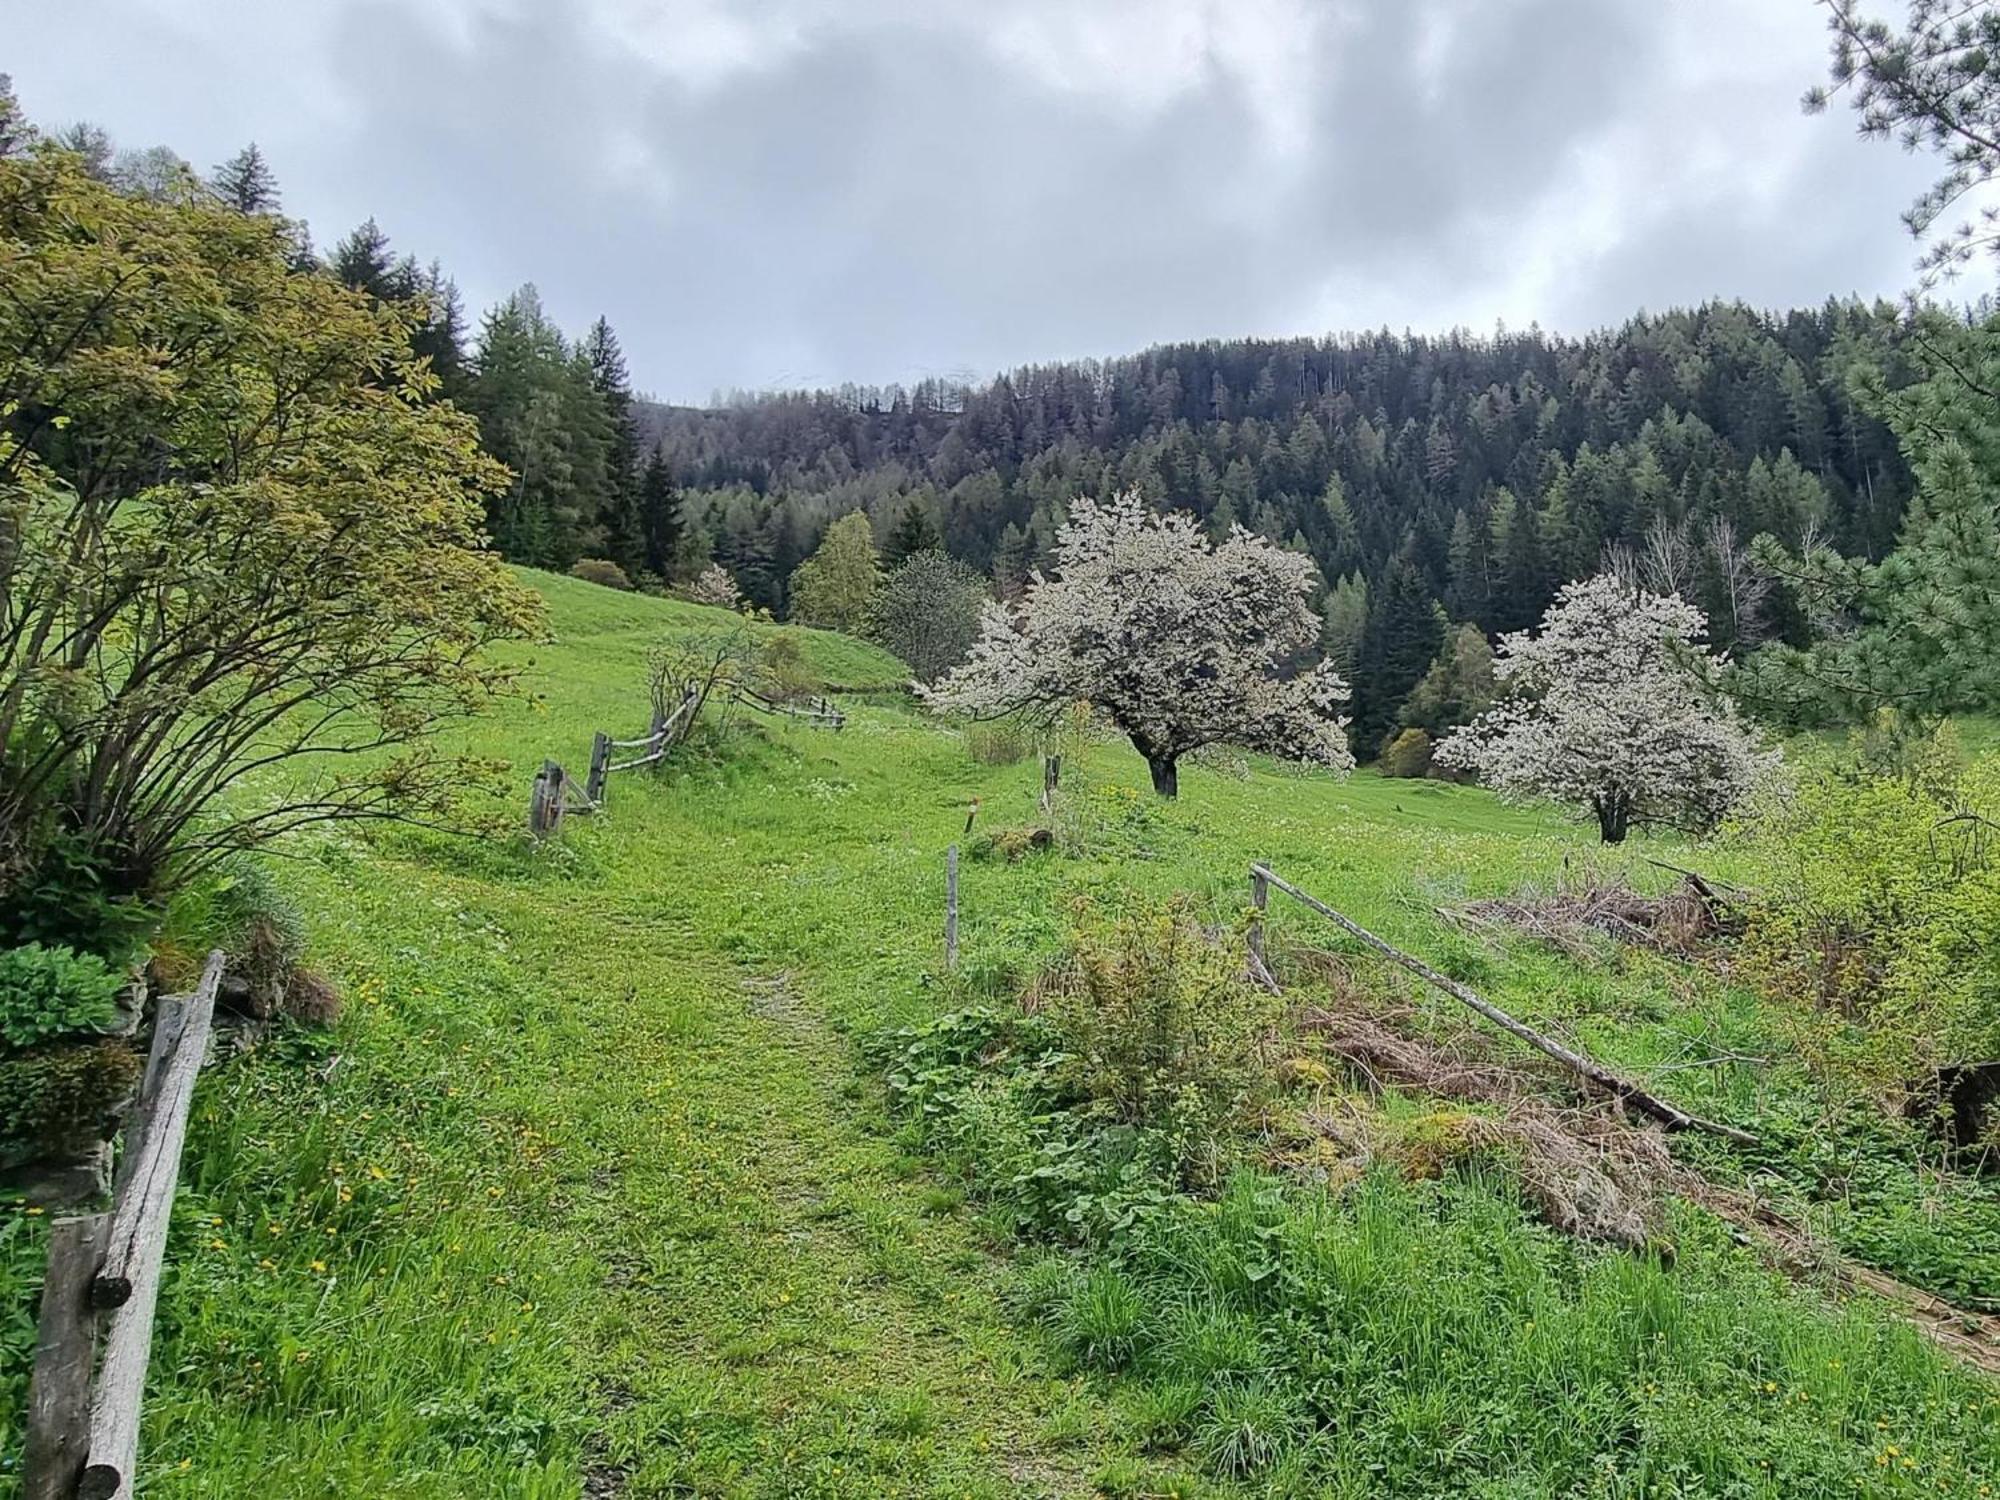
column 1587, row 1172
column 1576, row 918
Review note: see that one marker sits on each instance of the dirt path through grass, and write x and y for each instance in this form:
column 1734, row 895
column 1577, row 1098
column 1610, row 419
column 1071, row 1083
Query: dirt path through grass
column 792, row 1308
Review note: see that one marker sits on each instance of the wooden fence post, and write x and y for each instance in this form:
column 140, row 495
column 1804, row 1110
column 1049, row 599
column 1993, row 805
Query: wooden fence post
column 1260, row 901
column 1051, row 779
column 129, row 1279
column 538, row 802
column 951, row 907
column 600, row 758
column 58, row 1439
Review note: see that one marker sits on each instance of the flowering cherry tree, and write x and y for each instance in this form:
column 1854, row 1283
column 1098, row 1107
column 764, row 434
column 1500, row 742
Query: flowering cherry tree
column 1180, row 642
column 1602, row 711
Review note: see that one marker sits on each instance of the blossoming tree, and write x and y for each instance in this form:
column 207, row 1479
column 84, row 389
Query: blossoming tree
column 1180, row 642
column 1602, row 711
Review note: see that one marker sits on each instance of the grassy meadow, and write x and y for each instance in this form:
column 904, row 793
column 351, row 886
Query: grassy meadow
column 596, row 1188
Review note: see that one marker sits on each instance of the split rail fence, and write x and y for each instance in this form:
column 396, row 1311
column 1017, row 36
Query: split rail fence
column 95, row 1333
column 556, row 794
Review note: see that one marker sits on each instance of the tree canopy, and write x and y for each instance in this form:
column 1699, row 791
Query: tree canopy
column 234, row 530
column 1181, row 642
column 1602, row 712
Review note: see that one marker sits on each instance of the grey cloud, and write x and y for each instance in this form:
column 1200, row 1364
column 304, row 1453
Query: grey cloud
column 893, row 196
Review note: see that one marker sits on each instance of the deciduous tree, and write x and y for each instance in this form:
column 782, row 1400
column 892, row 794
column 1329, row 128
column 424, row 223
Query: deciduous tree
column 928, row 613
column 1604, row 714
column 835, row 587
column 234, row 535
column 1179, row 641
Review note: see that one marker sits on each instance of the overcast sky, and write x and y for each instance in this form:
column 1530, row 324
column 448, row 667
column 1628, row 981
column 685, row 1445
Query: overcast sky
column 802, row 192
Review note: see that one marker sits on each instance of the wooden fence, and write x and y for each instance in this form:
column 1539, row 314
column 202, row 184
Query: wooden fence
column 556, row 794
column 1628, row 1093
column 816, row 710
column 96, row 1328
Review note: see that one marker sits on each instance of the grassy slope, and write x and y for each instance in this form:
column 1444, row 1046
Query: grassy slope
column 595, row 1187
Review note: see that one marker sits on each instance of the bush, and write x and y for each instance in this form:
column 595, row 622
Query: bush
column 784, row 672
column 61, row 1093
column 1000, row 743
column 52, row 992
column 65, row 894
column 1407, row 755
column 1162, row 1029
column 600, row 570
column 1882, row 909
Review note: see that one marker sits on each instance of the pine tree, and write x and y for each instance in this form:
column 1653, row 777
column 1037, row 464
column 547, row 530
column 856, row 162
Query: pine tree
column 914, row 532
column 362, row 261
column 246, row 182
column 1404, row 631
column 660, row 526
column 619, row 519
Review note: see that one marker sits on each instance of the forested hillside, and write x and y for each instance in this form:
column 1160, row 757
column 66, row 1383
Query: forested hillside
column 1458, row 476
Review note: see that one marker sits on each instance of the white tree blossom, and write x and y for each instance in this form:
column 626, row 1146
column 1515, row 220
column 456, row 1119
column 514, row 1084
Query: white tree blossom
column 1179, row 642
column 716, row 587
column 1604, row 712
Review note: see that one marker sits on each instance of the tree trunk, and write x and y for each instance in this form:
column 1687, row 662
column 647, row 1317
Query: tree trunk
column 1614, row 815
column 1166, row 774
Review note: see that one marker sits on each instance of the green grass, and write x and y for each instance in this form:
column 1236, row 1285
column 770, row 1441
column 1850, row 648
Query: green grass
column 589, row 1183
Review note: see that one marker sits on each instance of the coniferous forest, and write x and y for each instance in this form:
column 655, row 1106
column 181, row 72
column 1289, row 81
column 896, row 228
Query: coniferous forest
column 1431, row 479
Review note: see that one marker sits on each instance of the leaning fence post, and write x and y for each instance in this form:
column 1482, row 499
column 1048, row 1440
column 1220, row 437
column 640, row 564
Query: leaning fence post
column 538, row 802
column 58, row 1439
column 1260, row 901
column 600, row 761
column 951, row 907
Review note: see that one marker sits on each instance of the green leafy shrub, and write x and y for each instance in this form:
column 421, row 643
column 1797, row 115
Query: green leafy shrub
column 1881, row 910
column 999, row 743
column 784, row 670
column 1161, row 1028
column 1407, row 755
column 602, row 571
column 50, row 992
column 60, row 1092
column 64, row 893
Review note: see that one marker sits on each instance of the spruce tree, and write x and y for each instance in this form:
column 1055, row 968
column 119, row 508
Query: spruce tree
column 619, row 519
column 441, row 339
column 1404, row 631
column 16, row 134
column 246, row 182
column 660, row 526
column 913, row 532
column 362, row 261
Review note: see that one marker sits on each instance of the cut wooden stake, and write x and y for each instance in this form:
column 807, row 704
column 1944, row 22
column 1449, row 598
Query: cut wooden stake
column 58, row 1437
column 129, row 1279
column 951, row 907
column 1670, row 1115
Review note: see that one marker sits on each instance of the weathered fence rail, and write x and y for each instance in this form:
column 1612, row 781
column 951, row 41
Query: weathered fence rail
column 819, row 710
column 103, row 1281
